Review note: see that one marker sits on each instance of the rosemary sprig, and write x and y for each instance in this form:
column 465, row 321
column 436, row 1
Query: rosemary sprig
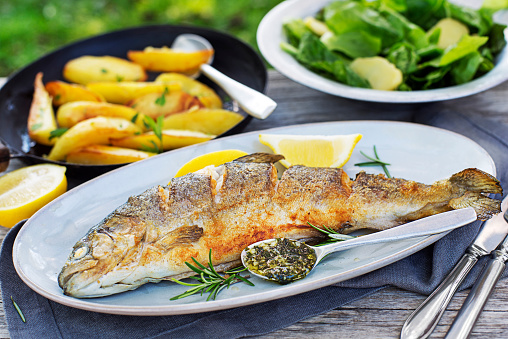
column 18, row 310
column 375, row 162
column 332, row 235
column 209, row 281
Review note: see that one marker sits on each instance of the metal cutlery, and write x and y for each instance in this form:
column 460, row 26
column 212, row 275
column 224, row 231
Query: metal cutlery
column 482, row 289
column 424, row 319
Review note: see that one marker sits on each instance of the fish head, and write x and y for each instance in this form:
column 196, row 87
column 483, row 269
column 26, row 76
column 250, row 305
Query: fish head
column 101, row 259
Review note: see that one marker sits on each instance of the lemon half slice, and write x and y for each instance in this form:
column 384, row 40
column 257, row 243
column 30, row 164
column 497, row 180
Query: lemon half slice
column 24, row 191
column 214, row 158
column 312, row 150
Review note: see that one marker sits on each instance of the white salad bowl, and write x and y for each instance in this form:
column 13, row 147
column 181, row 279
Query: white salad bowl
column 270, row 35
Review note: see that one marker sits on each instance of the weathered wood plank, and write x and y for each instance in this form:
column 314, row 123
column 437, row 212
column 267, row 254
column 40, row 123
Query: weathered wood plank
column 382, row 315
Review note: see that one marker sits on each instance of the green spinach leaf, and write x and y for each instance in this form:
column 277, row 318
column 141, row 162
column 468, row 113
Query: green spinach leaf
column 465, row 68
column 346, row 16
column 355, row 44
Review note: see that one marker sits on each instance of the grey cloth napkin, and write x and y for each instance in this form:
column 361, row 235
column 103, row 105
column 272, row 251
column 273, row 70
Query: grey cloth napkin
column 420, row 272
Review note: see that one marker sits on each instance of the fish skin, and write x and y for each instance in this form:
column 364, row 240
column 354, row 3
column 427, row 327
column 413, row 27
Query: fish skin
column 380, row 203
column 149, row 238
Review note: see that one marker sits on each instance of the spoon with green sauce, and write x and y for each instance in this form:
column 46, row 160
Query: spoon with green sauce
column 283, row 260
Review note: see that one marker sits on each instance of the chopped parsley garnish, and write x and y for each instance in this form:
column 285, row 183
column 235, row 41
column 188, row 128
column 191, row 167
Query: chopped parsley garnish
column 161, row 101
column 57, row 132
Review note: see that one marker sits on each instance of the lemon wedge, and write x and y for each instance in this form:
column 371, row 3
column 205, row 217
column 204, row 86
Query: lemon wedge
column 312, row 150
column 214, row 158
column 26, row 190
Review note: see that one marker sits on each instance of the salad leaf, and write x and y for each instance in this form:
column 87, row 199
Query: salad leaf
column 396, row 5
column 289, row 49
column 412, row 33
column 494, row 5
column 314, row 55
column 355, row 44
column 485, row 66
column 465, row 69
column 475, row 20
column 294, row 30
column 466, row 45
column 424, row 13
column 401, row 31
column 429, row 53
column 404, row 57
column 496, row 38
column 346, row 75
column 346, row 16
column 433, row 36
column 430, row 79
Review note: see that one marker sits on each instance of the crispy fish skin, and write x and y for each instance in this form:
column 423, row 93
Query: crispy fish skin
column 381, row 203
column 225, row 209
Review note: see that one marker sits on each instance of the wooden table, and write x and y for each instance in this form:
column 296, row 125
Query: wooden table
column 380, row 315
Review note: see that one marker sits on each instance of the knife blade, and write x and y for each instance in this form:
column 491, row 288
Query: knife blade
column 424, row 319
column 482, row 289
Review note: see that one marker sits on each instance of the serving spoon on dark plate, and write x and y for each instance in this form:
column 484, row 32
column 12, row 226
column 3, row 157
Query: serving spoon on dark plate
column 253, row 102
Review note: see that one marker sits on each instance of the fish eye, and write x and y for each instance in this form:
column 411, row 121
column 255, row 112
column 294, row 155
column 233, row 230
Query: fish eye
column 80, row 252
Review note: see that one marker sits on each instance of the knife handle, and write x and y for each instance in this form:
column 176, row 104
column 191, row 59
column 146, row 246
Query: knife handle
column 424, row 319
column 477, row 298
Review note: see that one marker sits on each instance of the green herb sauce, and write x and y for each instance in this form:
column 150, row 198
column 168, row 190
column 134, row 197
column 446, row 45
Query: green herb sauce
column 281, row 260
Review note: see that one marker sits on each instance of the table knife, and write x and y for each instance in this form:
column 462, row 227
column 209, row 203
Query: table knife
column 482, row 289
column 424, row 319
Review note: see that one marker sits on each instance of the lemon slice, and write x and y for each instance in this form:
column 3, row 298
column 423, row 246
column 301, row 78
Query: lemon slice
column 312, row 150
column 214, row 158
column 26, row 190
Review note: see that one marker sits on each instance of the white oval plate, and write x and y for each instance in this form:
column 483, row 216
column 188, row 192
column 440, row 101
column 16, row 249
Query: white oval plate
column 270, row 35
column 415, row 152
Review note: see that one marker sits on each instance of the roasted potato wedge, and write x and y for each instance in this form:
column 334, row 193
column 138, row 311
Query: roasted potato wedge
column 164, row 104
column 124, row 92
column 171, row 139
column 165, row 59
column 208, row 121
column 106, row 155
column 205, row 94
column 41, row 118
column 86, row 69
column 63, row 92
column 71, row 113
column 95, row 131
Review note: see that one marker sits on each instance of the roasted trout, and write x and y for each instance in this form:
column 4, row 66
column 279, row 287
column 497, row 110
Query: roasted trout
column 229, row 207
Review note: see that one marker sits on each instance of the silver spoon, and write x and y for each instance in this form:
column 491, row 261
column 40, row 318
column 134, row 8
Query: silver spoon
column 253, row 102
column 285, row 272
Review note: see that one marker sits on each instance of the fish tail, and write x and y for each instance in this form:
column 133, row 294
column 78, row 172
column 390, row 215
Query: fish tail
column 484, row 206
column 475, row 180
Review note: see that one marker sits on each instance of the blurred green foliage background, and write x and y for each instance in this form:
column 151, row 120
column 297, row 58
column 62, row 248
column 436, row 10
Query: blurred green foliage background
column 32, row 28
